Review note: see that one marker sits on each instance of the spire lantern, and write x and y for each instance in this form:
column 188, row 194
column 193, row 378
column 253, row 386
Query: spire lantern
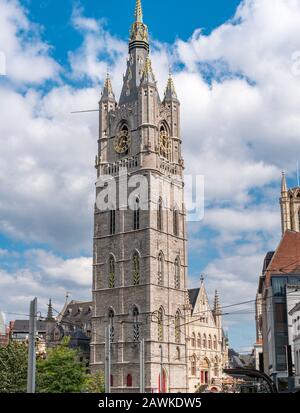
column 139, row 36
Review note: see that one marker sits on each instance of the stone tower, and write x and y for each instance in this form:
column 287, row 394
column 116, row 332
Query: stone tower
column 290, row 207
column 140, row 264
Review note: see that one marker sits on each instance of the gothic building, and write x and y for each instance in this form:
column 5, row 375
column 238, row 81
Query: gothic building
column 207, row 345
column 290, row 207
column 140, row 259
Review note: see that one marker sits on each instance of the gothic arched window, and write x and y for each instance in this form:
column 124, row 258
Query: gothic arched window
column 136, row 276
column 164, row 142
column 177, row 327
column 204, row 341
column 160, row 274
column 159, row 215
column 193, row 340
column 215, row 343
column 178, row 353
column 160, row 324
column 136, row 215
column 136, row 326
column 209, row 342
column 177, row 274
column 175, row 222
column 112, row 273
column 111, row 317
column 199, row 342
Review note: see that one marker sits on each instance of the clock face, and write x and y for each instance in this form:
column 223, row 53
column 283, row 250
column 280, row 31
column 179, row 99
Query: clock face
column 164, row 143
column 122, row 142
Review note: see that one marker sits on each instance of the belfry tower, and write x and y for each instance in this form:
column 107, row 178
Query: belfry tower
column 290, row 207
column 140, row 264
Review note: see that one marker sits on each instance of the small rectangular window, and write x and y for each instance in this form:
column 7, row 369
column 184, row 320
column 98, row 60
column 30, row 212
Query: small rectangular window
column 112, row 222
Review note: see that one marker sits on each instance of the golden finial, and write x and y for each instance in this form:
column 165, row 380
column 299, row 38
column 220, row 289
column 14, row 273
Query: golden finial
column 138, row 14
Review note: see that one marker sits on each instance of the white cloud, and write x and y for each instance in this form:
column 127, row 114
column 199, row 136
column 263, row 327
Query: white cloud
column 27, row 55
column 239, row 132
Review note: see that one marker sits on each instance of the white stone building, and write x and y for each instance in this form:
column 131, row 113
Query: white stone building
column 207, row 346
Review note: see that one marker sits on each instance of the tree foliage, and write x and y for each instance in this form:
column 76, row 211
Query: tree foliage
column 13, row 368
column 94, row 383
column 61, row 371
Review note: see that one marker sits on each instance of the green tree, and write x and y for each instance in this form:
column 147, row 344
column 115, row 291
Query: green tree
column 94, row 383
column 13, row 368
column 61, row 371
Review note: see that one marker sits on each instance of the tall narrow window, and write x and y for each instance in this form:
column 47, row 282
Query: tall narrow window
column 160, row 320
column 175, row 222
column 159, row 215
column 215, row 343
column 136, row 215
column 136, row 326
column 209, row 342
column 160, row 275
column 129, row 380
column 164, row 143
column 136, row 276
column 177, row 327
column 199, row 343
column 204, row 341
column 177, row 273
column 112, row 222
column 193, row 340
column 193, row 366
column 111, row 316
column 112, row 273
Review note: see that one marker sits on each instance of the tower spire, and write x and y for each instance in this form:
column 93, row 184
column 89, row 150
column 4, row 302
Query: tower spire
column 170, row 92
column 107, row 92
column 284, row 188
column 50, row 311
column 138, row 14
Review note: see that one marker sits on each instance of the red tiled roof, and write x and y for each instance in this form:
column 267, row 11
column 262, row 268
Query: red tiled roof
column 286, row 259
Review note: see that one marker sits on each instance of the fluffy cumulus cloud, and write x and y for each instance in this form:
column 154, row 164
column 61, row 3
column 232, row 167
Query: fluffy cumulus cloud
column 28, row 58
column 240, row 100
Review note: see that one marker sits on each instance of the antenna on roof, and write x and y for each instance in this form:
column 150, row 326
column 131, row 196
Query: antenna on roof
column 67, row 296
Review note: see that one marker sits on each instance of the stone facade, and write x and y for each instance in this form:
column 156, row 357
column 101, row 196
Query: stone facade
column 290, row 207
column 140, row 261
column 207, row 346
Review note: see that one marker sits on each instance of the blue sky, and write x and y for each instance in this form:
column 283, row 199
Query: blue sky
column 240, row 125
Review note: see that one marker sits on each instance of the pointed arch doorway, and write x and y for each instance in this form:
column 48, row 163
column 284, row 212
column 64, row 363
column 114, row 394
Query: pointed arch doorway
column 164, row 383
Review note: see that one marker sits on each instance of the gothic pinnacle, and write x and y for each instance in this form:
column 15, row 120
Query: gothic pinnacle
column 107, row 92
column 170, row 92
column 284, row 189
column 138, row 14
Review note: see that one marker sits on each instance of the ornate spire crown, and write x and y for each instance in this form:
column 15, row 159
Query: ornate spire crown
column 139, row 31
column 138, row 14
